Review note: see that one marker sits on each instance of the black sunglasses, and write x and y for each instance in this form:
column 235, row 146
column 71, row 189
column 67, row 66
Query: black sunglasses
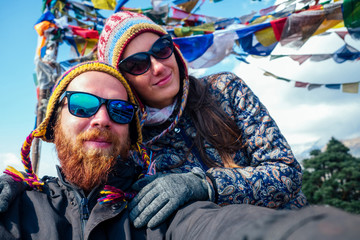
column 139, row 63
column 84, row 105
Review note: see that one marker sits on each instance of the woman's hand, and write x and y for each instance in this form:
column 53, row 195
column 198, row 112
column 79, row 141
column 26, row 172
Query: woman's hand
column 163, row 194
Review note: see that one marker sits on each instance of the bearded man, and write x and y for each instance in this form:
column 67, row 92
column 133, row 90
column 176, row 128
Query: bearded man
column 89, row 118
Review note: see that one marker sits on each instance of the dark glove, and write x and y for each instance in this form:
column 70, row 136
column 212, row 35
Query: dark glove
column 164, row 194
column 9, row 190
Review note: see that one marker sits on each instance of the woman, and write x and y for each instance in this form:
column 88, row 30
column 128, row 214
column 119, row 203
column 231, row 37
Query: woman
column 214, row 128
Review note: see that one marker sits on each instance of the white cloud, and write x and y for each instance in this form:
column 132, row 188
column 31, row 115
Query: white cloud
column 10, row 159
column 307, row 117
column 48, row 160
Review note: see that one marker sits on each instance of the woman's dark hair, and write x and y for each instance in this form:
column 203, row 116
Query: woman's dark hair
column 212, row 124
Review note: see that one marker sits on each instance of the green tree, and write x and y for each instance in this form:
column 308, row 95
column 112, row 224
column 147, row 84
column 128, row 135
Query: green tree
column 333, row 177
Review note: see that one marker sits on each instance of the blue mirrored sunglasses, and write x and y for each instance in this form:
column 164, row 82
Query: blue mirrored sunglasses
column 84, row 105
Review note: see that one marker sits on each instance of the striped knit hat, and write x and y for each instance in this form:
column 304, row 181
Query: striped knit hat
column 119, row 30
column 45, row 130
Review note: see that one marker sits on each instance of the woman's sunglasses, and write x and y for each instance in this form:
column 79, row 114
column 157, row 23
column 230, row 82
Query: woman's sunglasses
column 140, row 62
column 85, row 105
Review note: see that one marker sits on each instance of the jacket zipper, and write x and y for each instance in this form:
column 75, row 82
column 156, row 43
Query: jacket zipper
column 84, row 209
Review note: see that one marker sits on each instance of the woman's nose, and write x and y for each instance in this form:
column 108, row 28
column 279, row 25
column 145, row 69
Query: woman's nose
column 157, row 65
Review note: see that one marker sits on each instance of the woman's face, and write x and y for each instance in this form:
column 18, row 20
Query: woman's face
column 158, row 86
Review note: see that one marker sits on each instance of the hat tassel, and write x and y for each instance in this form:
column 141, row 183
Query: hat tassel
column 29, row 177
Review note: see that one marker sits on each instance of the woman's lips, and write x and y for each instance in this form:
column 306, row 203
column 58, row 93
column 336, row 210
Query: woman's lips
column 164, row 81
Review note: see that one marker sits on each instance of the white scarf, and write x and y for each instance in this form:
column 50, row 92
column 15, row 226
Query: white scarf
column 156, row 116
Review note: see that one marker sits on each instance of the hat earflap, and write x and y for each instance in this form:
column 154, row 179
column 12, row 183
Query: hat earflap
column 29, row 177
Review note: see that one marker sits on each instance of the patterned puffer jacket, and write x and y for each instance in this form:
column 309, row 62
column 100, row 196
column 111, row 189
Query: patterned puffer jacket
column 269, row 175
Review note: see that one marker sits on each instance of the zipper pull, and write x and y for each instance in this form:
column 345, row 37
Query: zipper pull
column 84, row 209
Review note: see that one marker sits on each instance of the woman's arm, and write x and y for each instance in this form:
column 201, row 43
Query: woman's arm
column 269, row 174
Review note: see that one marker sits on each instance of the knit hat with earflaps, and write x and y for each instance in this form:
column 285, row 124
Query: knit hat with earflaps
column 45, row 130
column 119, row 30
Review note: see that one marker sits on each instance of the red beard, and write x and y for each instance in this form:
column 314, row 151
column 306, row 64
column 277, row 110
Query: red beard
column 87, row 168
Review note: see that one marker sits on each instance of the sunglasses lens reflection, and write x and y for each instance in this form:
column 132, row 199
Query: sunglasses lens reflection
column 121, row 112
column 85, row 105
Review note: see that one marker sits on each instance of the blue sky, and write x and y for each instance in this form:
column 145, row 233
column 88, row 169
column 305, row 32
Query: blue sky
column 18, row 98
column 305, row 117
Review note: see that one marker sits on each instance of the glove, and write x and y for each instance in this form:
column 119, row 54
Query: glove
column 9, row 190
column 165, row 193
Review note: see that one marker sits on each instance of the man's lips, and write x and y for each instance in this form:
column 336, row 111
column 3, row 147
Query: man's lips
column 164, row 80
column 97, row 143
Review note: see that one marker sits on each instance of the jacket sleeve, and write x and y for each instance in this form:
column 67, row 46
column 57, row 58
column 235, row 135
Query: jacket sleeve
column 10, row 220
column 5, row 234
column 269, row 174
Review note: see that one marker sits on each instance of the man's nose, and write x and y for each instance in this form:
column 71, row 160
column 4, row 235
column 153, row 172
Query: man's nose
column 101, row 118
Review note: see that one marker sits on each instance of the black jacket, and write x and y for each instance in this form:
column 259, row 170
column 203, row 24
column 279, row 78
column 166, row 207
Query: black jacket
column 61, row 211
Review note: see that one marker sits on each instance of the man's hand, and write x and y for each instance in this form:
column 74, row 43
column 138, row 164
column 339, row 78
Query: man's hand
column 164, row 194
column 9, row 189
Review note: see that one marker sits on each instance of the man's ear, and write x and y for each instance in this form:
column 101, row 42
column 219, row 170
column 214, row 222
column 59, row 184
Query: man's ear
column 53, row 123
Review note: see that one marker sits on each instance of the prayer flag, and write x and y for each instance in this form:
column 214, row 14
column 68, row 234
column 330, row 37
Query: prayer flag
column 265, row 11
column 196, row 30
column 246, row 31
column 301, row 84
column 342, row 34
column 220, row 48
column 312, row 86
column 351, row 15
column 300, row 58
column 333, row 86
column 299, row 27
column 252, row 46
column 194, row 47
column 186, row 5
column 333, row 16
column 85, row 33
column 346, row 53
column 181, row 15
column 266, row 36
column 269, row 74
column 320, row 57
column 350, row 87
column 47, row 16
column 43, row 26
column 120, row 4
column 273, row 57
column 85, row 46
column 266, row 73
column 104, row 4
column 278, row 26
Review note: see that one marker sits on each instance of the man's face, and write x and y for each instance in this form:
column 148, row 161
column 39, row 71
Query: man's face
column 88, row 147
